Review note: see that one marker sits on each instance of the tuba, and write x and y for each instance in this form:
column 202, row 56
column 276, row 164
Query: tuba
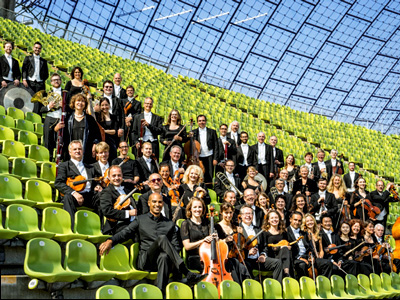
column 56, row 98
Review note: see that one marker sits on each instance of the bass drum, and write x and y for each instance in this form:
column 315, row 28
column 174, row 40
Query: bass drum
column 18, row 97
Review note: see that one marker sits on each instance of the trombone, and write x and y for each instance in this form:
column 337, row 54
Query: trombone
column 225, row 181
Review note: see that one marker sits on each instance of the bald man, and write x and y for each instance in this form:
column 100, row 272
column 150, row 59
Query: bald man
column 118, row 90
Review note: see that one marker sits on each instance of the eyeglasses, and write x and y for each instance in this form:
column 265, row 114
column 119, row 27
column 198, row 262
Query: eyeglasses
column 108, row 87
column 156, row 180
column 122, row 147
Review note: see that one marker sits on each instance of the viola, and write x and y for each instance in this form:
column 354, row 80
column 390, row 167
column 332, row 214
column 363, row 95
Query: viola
column 285, row 243
column 192, row 150
column 106, row 178
column 123, row 201
column 128, row 105
column 238, row 251
column 333, row 249
column 363, row 252
column 172, row 192
column 78, row 183
column 214, row 255
column 373, row 211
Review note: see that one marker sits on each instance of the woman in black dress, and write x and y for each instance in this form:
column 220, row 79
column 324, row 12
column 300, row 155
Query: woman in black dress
column 304, row 185
column 291, row 167
column 192, row 182
column 194, row 232
column 110, row 124
column 80, row 126
column 274, row 233
column 75, row 85
column 250, row 182
column 348, row 262
column 338, row 188
column 356, row 200
column 299, row 204
column 170, row 133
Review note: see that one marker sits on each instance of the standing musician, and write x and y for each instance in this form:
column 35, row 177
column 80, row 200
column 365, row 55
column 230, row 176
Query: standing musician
column 102, row 156
column 284, row 174
column 193, row 185
column 158, row 243
column 245, row 157
column 265, row 158
column 110, row 124
column 220, row 188
column 249, row 197
column 330, row 238
column 130, row 178
column 351, row 177
column 334, row 164
column 132, row 108
column 208, row 140
column 175, row 162
column 155, row 185
column 70, row 169
column 152, row 128
column 304, row 248
column 234, row 132
column 337, row 187
column 115, row 108
column 308, row 159
column 230, row 197
column 116, row 219
column 118, row 90
column 304, row 185
column 146, row 165
column 291, row 167
column 74, row 86
column 323, row 203
column 321, row 169
column 35, row 73
column 251, row 182
column 9, row 67
column 226, row 148
column 277, row 155
column 256, row 256
column 172, row 134
column 81, row 126
column 280, row 185
column 381, row 199
column 52, row 123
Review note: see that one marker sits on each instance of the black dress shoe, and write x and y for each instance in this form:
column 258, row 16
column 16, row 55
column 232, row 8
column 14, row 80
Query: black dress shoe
column 193, row 278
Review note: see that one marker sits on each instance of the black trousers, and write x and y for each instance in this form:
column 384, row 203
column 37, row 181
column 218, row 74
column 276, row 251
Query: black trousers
column 209, row 170
column 160, row 257
column 90, row 200
column 36, row 87
column 270, row 264
column 324, row 267
column 49, row 135
column 242, row 171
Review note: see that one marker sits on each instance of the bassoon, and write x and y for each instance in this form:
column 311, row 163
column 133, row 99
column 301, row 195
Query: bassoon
column 60, row 134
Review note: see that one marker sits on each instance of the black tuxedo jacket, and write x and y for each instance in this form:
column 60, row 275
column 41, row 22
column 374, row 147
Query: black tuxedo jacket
column 67, row 170
column 259, row 215
column 5, row 68
column 232, row 150
column 329, row 162
column 279, row 157
column 212, row 141
column 135, row 109
column 220, row 189
column 169, row 162
column 143, row 206
column 28, row 68
column 261, row 245
column 295, row 247
column 238, row 142
column 288, row 200
column 155, row 126
column 317, row 172
column 347, row 179
column 143, row 170
column 326, row 242
column 330, row 204
column 251, row 156
column 122, row 93
column 269, row 157
column 97, row 169
column 381, row 201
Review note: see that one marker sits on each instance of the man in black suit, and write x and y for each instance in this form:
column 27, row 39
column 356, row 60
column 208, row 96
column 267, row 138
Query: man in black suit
column 116, row 107
column 249, row 197
column 9, row 67
column 351, row 177
column 209, row 153
column 277, row 154
column 265, row 158
column 116, row 219
column 234, row 132
column 158, row 243
column 145, row 165
column 70, row 169
column 280, row 185
column 283, row 174
column 35, row 73
column 175, row 163
column 321, row 169
column 135, row 109
column 152, row 128
column 225, row 144
column 102, row 163
column 220, row 188
column 118, row 90
column 303, row 248
column 334, row 165
column 381, row 199
column 323, row 202
column 245, row 157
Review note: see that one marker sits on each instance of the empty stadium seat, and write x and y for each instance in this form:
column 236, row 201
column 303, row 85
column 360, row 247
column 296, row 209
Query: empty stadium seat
column 4, row 166
column 6, row 234
column 376, row 286
column 27, row 137
column 88, row 223
column 272, row 289
column 252, row 289
column 364, row 281
column 11, row 191
column 40, row 192
column 338, row 288
column 24, row 169
column 178, row 290
column 230, row 290
column 291, row 288
column 33, row 117
column 39, row 154
column 48, row 172
column 6, row 134
column 15, row 113
column 13, row 149
column 146, row 291
column 112, row 292
column 205, row 290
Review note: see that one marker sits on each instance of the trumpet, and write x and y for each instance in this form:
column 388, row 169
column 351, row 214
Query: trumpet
column 225, row 181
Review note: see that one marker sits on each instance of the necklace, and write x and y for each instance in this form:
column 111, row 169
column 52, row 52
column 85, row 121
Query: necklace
column 79, row 116
column 196, row 222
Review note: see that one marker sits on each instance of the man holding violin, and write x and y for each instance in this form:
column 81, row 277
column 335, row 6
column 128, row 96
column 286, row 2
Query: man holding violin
column 175, row 163
column 158, row 244
column 323, row 203
column 330, row 238
column 132, row 108
column 70, row 170
column 381, row 198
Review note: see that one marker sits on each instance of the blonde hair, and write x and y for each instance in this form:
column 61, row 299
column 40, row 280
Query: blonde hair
column 252, row 168
column 185, row 178
column 342, row 186
column 315, row 228
column 101, row 147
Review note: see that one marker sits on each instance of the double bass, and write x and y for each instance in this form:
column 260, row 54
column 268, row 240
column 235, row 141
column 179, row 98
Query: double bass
column 192, row 150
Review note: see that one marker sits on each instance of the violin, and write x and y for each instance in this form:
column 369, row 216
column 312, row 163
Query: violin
column 128, row 105
column 285, row 243
column 363, row 252
column 238, row 251
column 192, row 150
column 172, row 192
column 333, row 249
column 373, row 211
column 214, row 255
column 78, row 183
column 123, row 201
column 106, row 178
column 393, row 191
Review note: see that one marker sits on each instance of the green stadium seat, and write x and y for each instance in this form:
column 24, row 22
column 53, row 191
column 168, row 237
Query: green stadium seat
column 230, row 290
column 364, row 281
column 48, row 172
column 15, row 113
column 290, row 288
column 213, row 196
column 146, row 291
column 376, row 286
column 33, row 117
column 39, row 129
column 39, row 154
column 58, row 221
column 25, row 125
column 395, row 280
column 88, row 223
column 13, row 149
column 27, row 137
column 6, row 234
column 11, row 193
column 324, row 288
column 4, row 166
column 81, row 257
column 272, row 289
column 24, row 169
column 40, row 192
column 43, row 261
column 112, row 292
column 252, row 289
column 205, row 290
column 24, row 219
column 117, row 261
column 178, row 290
column 338, row 288
column 6, row 134
column 2, row 109
column 307, row 288
column 134, row 251
column 387, row 285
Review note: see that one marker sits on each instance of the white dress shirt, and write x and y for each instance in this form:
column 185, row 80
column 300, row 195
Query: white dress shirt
column 104, row 167
column 117, row 90
column 231, row 178
column 321, row 165
column 148, row 136
column 10, row 73
column 245, row 150
column 82, row 170
column 261, row 154
column 111, row 102
column 250, row 231
column 205, row 152
column 56, row 114
column 36, row 74
column 329, row 234
column 148, row 162
column 234, row 136
column 175, row 167
column 302, row 248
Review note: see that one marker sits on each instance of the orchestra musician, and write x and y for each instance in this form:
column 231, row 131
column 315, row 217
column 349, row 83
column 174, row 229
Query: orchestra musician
column 256, row 255
column 263, row 202
column 311, row 227
column 249, row 197
column 351, row 177
column 251, row 182
column 348, row 263
column 280, row 208
column 379, row 232
column 134, row 109
column 381, row 198
column 152, row 128
column 356, row 200
column 116, row 219
column 109, row 123
column 356, row 235
column 334, row 165
column 234, row 132
column 175, row 162
column 75, row 85
column 118, row 91
column 230, row 197
column 280, row 185
column 158, row 244
column 35, row 73
column 299, row 204
column 304, row 185
column 328, row 238
column 277, row 155
column 226, row 148
column 323, row 203
column 115, row 108
column 321, row 169
column 234, row 180
column 245, row 157
column 284, row 174
column 172, row 134
column 70, row 169
column 337, row 187
column 308, row 159
column 265, row 159
column 9, row 66
column 291, row 168
column 146, row 165
column 193, row 185
column 129, row 169
column 102, row 156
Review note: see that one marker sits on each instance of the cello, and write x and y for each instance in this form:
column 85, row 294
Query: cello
column 214, row 255
column 192, row 150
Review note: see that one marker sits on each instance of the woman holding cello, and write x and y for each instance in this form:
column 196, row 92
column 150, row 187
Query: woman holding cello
column 192, row 185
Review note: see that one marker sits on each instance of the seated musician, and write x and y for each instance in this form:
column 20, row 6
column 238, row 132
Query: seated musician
column 279, row 190
column 304, row 185
column 230, row 197
column 337, row 187
column 128, row 166
column 256, row 256
column 321, row 169
column 329, row 238
column 379, row 232
column 381, row 199
column 356, row 200
column 284, row 174
column 158, row 244
column 175, row 162
column 299, row 204
column 226, row 148
column 249, row 197
column 116, row 219
column 220, row 188
column 304, row 249
column 323, row 203
column 311, row 227
column 70, row 169
column 280, row 208
column 102, row 155
column 146, row 165
column 351, row 177
column 263, row 202
column 193, row 185
column 155, row 184
column 251, row 182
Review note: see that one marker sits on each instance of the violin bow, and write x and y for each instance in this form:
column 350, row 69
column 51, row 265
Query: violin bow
column 340, row 268
column 180, row 131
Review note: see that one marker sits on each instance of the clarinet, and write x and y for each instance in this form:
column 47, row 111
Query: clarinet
column 60, row 134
